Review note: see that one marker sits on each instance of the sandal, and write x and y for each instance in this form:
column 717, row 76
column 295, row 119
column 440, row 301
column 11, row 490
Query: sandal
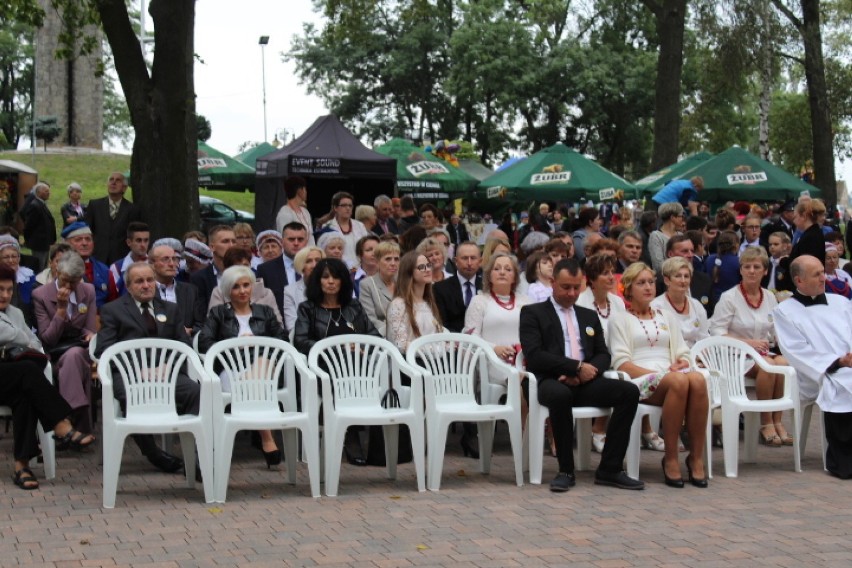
column 25, row 479
column 652, row 441
column 773, row 440
column 73, row 439
column 786, row 437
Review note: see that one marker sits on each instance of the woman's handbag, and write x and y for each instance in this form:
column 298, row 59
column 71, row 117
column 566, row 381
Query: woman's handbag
column 63, row 346
column 17, row 354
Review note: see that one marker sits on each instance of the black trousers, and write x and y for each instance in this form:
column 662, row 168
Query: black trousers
column 560, row 399
column 24, row 387
column 838, row 434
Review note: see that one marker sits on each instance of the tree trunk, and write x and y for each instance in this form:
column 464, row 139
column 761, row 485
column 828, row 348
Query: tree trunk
column 670, row 16
column 163, row 168
column 821, row 130
column 765, row 102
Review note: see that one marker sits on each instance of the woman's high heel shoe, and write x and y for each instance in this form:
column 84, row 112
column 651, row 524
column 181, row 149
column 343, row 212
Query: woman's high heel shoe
column 702, row 483
column 272, row 458
column 671, row 482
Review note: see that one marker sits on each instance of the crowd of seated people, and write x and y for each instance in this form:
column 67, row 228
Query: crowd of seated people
column 397, row 271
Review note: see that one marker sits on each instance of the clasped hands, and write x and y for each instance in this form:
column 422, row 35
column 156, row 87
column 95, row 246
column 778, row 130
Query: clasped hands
column 585, row 373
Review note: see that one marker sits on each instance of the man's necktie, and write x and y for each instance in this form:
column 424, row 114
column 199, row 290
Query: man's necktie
column 150, row 324
column 573, row 338
column 468, row 293
column 113, row 210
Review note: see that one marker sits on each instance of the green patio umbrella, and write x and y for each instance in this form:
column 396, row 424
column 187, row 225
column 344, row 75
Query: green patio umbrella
column 671, row 172
column 425, row 176
column 475, row 169
column 218, row 170
column 737, row 175
column 557, row 173
column 252, row 154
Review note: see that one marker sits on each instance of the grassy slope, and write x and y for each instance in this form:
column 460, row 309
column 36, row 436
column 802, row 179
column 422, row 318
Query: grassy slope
column 91, row 172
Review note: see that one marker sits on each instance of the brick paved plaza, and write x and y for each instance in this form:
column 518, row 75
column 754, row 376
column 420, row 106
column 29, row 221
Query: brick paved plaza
column 768, row 516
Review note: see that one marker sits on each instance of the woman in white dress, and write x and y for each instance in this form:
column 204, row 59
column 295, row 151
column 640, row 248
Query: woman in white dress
column 677, row 276
column 745, row 312
column 539, row 275
column 648, row 346
column 294, row 293
column 413, row 312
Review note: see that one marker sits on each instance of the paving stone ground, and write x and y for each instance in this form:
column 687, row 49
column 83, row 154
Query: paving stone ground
column 769, row 515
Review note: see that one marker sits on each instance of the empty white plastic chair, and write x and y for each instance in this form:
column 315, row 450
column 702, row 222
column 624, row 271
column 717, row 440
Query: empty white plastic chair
column 254, row 366
column 449, row 363
column 807, row 409
column 149, row 369
column 356, row 371
column 727, row 360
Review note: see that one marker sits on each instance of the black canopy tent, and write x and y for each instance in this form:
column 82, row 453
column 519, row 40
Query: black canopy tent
column 331, row 159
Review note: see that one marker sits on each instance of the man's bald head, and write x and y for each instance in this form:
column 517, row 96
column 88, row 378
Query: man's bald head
column 808, row 275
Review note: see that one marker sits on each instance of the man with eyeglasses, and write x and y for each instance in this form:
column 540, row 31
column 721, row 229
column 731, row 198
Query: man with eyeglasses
column 751, row 233
column 165, row 261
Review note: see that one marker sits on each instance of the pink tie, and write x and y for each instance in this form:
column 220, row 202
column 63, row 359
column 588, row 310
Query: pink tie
column 573, row 338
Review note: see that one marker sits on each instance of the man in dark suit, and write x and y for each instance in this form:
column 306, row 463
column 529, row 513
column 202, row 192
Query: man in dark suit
column 40, row 226
column 279, row 272
column 138, row 315
column 454, row 294
column 385, row 222
column 701, row 286
column 457, row 230
column 108, row 218
column 629, row 250
column 221, row 239
column 784, row 223
column 165, row 261
column 564, row 346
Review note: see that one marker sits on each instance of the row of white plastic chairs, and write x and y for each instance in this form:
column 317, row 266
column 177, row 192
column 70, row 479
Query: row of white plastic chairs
column 355, row 372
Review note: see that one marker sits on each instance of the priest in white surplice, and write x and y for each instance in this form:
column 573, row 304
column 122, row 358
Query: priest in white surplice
column 814, row 331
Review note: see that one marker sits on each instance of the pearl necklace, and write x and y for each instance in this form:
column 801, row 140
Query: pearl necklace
column 608, row 309
column 745, row 297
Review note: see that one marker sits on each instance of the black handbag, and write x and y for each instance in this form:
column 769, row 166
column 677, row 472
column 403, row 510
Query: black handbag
column 17, row 354
column 63, row 346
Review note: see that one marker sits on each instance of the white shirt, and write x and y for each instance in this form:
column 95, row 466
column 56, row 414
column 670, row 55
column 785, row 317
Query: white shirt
column 167, row 292
column 287, row 215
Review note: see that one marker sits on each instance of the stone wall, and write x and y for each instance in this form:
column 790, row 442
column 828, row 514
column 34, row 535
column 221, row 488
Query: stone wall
column 68, row 89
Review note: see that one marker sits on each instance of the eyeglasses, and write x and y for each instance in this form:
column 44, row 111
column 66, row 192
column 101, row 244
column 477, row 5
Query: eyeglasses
column 169, row 259
column 424, row 267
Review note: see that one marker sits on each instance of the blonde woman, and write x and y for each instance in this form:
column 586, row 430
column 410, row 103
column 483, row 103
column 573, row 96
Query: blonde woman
column 294, row 293
column 495, row 245
column 436, row 253
column 378, row 290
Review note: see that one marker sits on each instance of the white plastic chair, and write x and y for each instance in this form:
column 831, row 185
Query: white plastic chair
column 728, row 359
column 254, row 365
column 359, row 371
column 449, row 363
column 46, row 441
column 149, row 369
column 807, row 408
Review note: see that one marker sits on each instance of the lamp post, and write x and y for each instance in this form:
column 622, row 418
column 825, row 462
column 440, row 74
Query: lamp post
column 263, row 42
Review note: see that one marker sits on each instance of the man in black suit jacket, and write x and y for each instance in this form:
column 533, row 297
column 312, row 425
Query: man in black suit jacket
column 457, row 230
column 165, row 261
column 279, row 272
column 221, row 239
column 454, row 294
column 123, row 319
column 567, row 379
column 385, row 223
column 110, row 231
column 40, row 226
column 784, row 224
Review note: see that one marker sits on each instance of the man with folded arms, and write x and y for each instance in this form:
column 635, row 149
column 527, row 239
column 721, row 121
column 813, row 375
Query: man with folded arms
column 564, row 346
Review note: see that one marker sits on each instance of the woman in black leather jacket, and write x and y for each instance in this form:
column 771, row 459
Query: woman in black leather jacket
column 331, row 310
column 237, row 318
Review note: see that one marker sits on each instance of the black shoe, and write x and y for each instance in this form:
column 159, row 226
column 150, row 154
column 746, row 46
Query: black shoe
column 272, row 458
column 677, row 483
column 352, row 448
column 164, row 461
column 702, row 483
column 470, row 446
column 620, row 480
column 563, row 482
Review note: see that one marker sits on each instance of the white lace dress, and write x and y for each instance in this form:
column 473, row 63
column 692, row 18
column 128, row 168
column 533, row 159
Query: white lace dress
column 399, row 330
column 496, row 325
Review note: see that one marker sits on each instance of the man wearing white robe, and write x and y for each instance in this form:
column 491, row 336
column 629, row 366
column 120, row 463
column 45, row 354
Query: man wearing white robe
column 814, row 332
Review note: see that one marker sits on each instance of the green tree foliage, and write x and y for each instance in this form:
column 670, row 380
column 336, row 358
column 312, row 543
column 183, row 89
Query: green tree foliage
column 16, row 77
column 203, row 127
